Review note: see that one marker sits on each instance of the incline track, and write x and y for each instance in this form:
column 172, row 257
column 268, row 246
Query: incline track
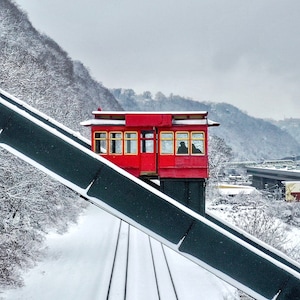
column 56, row 150
column 128, row 255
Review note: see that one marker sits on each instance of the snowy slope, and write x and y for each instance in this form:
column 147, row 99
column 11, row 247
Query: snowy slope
column 103, row 256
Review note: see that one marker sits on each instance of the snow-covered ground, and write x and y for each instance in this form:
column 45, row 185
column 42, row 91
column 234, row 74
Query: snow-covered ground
column 83, row 264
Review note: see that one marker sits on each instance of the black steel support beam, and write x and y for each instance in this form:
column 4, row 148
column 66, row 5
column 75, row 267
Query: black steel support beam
column 222, row 252
column 188, row 191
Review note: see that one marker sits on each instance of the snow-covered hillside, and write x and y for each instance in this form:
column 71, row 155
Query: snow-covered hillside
column 250, row 138
column 35, row 68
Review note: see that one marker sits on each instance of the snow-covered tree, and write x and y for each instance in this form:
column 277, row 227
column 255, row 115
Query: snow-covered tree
column 219, row 154
column 31, row 205
column 38, row 71
column 147, row 95
column 159, row 96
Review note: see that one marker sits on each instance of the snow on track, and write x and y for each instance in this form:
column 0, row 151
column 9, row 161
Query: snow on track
column 91, row 259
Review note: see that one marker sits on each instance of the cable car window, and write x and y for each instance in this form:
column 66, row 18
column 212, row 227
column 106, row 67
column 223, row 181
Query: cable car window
column 167, row 142
column 130, row 142
column 182, row 142
column 100, row 139
column 197, row 140
column 147, row 141
column 115, row 146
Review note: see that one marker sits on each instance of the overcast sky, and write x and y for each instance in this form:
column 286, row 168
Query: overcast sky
column 243, row 52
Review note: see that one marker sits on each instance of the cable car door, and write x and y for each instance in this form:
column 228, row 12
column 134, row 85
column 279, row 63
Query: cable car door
column 148, row 155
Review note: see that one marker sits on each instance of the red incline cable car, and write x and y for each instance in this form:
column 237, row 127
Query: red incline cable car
column 170, row 146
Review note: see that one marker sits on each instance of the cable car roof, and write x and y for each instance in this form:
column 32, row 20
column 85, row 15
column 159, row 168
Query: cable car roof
column 158, row 119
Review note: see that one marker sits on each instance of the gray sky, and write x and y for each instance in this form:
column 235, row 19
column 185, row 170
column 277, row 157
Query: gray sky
column 243, row 52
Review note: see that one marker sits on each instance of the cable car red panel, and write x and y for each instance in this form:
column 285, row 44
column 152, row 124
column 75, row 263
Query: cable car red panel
column 154, row 120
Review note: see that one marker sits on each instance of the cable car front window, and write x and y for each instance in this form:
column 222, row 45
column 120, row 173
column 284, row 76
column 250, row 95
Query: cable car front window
column 182, row 142
column 115, row 142
column 100, row 145
column 166, row 142
column 197, row 143
column 130, row 142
